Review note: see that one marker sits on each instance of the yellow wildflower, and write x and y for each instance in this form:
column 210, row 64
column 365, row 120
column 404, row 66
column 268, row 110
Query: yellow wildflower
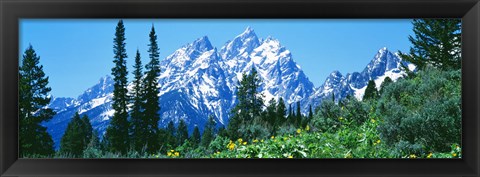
column 372, row 120
column 299, row 131
column 454, row 154
column 169, row 154
column 285, row 138
column 341, row 118
column 429, row 155
column 290, row 157
column 307, row 128
column 172, row 150
column 261, row 141
column 218, row 152
column 413, row 156
column 245, row 143
column 272, row 137
column 240, row 140
column 378, row 141
column 255, row 140
column 231, row 146
column 177, row 154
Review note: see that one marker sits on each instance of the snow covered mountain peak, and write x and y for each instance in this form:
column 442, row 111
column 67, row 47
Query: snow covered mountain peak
column 382, row 62
column 103, row 87
column 241, row 45
column 201, row 44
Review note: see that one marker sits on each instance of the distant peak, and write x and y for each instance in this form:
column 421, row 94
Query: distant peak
column 105, row 78
column 248, row 32
column 336, row 73
column 270, row 38
column 383, row 49
column 202, row 44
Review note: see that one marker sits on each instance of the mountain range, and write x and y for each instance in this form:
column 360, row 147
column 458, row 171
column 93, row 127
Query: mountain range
column 198, row 80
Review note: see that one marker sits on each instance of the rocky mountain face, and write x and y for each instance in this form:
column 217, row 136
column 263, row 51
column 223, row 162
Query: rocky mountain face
column 198, row 80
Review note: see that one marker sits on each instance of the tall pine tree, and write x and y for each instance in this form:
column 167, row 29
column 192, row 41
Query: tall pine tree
column 196, row 137
column 77, row 136
column 298, row 117
column 33, row 97
column 249, row 106
column 371, row 91
column 208, row 132
column 271, row 115
column 436, row 42
column 281, row 111
column 87, row 128
column 171, row 134
column 152, row 106
column 137, row 118
column 385, row 82
column 182, row 132
column 117, row 133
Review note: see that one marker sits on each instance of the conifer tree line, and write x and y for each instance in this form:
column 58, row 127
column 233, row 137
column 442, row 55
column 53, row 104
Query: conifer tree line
column 399, row 107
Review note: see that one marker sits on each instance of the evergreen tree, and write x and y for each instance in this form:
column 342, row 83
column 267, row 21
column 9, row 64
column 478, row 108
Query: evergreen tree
column 271, row 112
column 250, row 104
column 138, row 126
column 371, row 91
column 171, row 140
column 94, row 142
column 182, row 132
column 33, row 98
column 281, row 111
column 310, row 116
column 385, row 82
column 117, row 132
column 298, row 121
column 208, row 132
column 437, row 42
column 152, row 106
column 291, row 118
column 87, row 128
column 196, row 137
column 222, row 132
column 77, row 136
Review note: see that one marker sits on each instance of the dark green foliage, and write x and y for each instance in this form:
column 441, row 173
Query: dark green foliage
column 355, row 111
column 151, row 105
column 87, row 128
column 117, row 133
column 222, row 131
column 422, row 112
column 271, row 112
column 171, row 135
column 249, row 106
column 308, row 118
column 195, row 138
column 32, row 99
column 208, row 132
column 137, row 119
column 385, row 82
column 298, row 116
column 371, row 91
column 182, row 132
column 163, row 139
column 281, row 111
column 76, row 137
column 328, row 116
column 437, row 42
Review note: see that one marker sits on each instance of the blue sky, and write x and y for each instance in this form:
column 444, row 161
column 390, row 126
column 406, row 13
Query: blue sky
column 75, row 53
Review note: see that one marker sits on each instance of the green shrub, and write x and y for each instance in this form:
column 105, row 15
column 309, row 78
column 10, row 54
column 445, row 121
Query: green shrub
column 423, row 112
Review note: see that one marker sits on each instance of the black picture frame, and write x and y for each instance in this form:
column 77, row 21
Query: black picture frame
column 13, row 10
